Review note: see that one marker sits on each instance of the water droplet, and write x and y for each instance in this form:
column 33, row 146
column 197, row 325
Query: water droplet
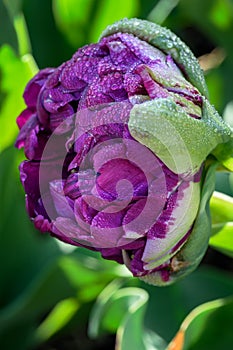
column 169, row 45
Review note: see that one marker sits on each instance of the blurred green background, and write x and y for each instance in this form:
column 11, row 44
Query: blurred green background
column 56, row 297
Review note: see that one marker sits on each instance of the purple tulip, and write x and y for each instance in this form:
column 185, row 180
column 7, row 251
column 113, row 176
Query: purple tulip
column 110, row 163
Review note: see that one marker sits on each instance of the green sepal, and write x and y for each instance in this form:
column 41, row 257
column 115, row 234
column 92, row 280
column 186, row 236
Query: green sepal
column 166, row 41
column 223, row 151
column 180, row 141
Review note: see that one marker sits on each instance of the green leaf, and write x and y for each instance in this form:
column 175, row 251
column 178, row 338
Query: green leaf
column 95, row 324
column 223, row 182
column 57, row 292
column 224, row 154
column 123, row 310
column 222, row 239
column 209, row 326
column 57, row 319
column 221, row 206
column 168, row 306
column 131, row 332
column 11, row 91
column 46, row 289
column 181, row 142
column 90, row 284
column 231, row 183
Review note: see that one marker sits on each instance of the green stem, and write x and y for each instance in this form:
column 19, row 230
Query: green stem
column 24, row 42
column 22, row 34
column 24, row 45
column 162, row 10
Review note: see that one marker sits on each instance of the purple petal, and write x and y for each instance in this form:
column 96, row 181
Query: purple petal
column 54, row 99
column 63, row 120
column 85, row 69
column 112, row 254
column 106, row 66
column 119, row 53
column 153, row 89
column 159, row 245
column 34, row 86
column 107, row 151
column 116, row 170
column 84, row 213
column 69, row 78
column 107, row 231
column 95, row 94
column 69, row 232
column 64, row 205
column 25, row 116
column 42, row 224
column 29, row 122
column 143, row 51
column 133, row 84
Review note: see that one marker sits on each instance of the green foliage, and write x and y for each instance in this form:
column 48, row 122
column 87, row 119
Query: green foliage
column 200, row 330
column 168, row 306
column 122, row 311
column 153, row 313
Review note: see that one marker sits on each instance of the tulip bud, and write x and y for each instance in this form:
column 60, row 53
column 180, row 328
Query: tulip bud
column 122, row 147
